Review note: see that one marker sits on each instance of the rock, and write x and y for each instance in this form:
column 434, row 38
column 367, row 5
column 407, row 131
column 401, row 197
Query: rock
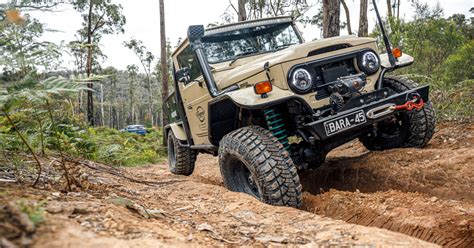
column 205, row 227
column 156, row 213
column 83, row 208
column 119, row 201
column 56, row 194
column 270, row 238
column 5, row 243
column 21, row 218
column 54, row 207
column 130, row 205
column 190, row 237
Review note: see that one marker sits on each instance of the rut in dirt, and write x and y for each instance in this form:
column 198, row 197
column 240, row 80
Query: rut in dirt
column 446, row 223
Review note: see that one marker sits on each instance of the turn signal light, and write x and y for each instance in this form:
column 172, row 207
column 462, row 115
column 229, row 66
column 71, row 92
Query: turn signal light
column 263, row 88
column 397, row 52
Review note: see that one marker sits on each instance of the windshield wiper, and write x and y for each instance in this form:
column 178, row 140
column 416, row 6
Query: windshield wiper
column 285, row 46
column 241, row 55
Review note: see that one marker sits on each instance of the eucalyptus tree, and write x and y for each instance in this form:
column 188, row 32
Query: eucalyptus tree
column 146, row 59
column 21, row 48
column 331, row 13
column 132, row 73
column 164, row 56
column 100, row 17
column 257, row 9
column 363, row 20
column 348, row 17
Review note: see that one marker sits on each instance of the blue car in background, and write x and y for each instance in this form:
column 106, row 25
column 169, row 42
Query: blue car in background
column 138, row 129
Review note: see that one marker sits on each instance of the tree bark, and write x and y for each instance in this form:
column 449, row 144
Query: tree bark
column 242, row 12
column 363, row 21
column 164, row 65
column 389, row 9
column 348, row 17
column 102, row 115
column 398, row 9
column 90, row 100
column 331, row 12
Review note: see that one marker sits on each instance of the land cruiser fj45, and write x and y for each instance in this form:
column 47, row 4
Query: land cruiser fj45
column 270, row 105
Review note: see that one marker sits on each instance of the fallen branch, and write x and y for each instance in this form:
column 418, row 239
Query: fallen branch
column 27, row 145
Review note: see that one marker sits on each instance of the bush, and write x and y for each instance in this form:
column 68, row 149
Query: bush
column 459, row 66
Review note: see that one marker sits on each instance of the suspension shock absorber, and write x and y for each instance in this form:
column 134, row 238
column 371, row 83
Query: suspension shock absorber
column 276, row 126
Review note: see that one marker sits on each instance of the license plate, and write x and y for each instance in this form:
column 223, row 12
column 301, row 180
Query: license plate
column 345, row 122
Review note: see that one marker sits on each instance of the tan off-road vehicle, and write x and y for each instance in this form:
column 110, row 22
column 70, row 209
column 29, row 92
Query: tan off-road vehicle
column 270, row 105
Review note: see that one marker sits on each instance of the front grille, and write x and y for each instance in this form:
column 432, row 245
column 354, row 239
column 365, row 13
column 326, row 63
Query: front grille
column 329, row 73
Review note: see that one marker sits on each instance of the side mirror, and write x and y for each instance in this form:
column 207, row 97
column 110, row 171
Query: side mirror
column 183, row 75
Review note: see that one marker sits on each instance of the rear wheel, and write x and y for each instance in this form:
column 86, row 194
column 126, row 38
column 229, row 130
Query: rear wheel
column 254, row 162
column 181, row 158
column 405, row 129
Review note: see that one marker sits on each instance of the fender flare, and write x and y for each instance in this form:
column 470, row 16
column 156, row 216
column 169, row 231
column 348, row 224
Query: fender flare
column 178, row 131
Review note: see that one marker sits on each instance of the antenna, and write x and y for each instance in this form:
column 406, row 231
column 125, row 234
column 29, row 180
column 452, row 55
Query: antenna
column 391, row 58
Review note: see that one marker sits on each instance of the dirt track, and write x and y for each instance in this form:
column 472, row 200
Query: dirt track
column 425, row 193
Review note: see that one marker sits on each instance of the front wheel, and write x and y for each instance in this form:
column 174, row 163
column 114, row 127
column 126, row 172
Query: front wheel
column 405, row 129
column 253, row 161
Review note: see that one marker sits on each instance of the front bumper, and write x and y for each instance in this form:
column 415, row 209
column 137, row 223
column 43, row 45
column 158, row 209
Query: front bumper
column 376, row 105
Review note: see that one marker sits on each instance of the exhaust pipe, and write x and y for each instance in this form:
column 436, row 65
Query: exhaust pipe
column 195, row 33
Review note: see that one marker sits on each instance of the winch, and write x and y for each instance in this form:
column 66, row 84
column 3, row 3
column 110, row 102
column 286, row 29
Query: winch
column 345, row 88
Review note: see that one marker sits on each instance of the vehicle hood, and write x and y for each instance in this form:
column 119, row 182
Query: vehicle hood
column 228, row 73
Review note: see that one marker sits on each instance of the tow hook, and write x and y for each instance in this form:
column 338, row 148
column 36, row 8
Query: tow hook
column 416, row 103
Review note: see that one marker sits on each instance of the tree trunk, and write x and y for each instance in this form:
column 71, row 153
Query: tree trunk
column 131, row 103
column 331, row 12
column 90, row 101
column 389, row 9
column 348, row 17
column 363, row 21
column 398, row 9
column 102, row 115
column 242, row 11
column 150, row 99
column 164, row 65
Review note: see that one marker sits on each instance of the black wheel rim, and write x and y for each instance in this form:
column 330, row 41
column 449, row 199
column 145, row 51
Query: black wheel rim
column 245, row 180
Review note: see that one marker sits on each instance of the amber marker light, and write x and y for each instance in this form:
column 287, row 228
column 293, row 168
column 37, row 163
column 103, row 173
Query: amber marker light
column 397, row 52
column 263, row 88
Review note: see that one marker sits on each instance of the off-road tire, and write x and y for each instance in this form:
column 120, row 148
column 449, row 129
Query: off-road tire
column 418, row 125
column 255, row 151
column 181, row 159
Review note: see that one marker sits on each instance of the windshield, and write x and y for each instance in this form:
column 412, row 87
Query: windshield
column 261, row 39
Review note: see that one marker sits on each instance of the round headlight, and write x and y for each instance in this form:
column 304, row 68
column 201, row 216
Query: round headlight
column 301, row 81
column 368, row 62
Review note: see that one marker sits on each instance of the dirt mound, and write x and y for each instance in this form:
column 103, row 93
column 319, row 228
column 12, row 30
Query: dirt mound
column 443, row 173
column 444, row 169
column 447, row 223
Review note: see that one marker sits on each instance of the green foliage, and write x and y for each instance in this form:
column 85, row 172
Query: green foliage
column 459, row 66
column 35, row 211
column 443, row 50
column 111, row 146
column 21, row 50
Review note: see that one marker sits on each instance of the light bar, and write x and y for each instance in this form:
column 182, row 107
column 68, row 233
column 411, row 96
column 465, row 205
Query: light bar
column 247, row 24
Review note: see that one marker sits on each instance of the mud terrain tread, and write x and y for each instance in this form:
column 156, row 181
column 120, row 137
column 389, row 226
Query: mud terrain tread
column 185, row 158
column 268, row 159
column 422, row 122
